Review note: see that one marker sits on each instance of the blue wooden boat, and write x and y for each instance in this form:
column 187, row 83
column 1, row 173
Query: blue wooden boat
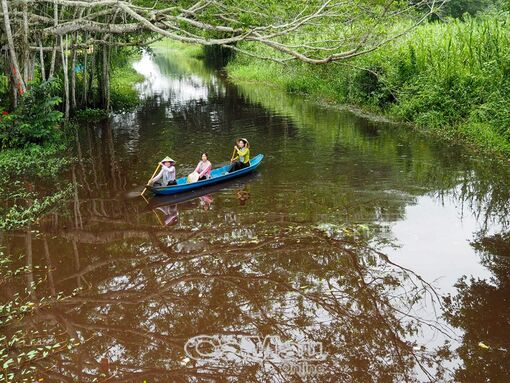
column 182, row 198
column 217, row 175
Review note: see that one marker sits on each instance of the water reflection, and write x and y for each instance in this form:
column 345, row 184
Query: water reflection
column 479, row 307
column 176, row 84
column 148, row 292
column 349, row 236
column 170, row 215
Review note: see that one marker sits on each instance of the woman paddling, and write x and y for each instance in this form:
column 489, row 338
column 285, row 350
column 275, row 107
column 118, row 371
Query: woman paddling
column 204, row 168
column 166, row 175
column 241, row 157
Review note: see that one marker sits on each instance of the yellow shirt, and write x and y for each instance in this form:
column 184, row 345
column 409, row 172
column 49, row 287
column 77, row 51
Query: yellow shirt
column 243, row 155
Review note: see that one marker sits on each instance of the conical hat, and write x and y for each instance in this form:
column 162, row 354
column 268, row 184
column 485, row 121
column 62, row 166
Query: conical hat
column 245, row 142
column 167, row 159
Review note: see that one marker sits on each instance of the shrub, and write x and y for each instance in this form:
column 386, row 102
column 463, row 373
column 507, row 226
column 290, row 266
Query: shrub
column 35, row 121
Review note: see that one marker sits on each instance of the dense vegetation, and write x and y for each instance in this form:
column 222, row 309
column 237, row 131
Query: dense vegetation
column 449, row 77
column 33, row 140
column 34, row 136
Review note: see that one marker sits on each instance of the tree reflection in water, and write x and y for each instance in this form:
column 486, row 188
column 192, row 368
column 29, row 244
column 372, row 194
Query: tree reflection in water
column 480, row 308
column 147, row 291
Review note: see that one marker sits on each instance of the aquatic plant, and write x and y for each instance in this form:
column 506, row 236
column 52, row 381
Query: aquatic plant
column 25, row 348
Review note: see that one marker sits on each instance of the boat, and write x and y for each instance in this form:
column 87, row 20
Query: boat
column 181, row 198
column 217, row 175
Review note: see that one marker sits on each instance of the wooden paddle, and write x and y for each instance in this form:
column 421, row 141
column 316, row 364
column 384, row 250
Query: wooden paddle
column 153, row 174
column 233, row 155
column 158, row 217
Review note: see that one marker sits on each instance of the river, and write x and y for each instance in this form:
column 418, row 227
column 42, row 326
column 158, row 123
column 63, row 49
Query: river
column 360, row 251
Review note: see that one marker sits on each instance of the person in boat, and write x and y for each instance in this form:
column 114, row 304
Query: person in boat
column 241, row 158
column 166, row 176
column 204, row 168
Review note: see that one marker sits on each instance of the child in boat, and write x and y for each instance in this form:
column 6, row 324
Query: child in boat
column 166, row 175
column 242, row 155
column 204, row 168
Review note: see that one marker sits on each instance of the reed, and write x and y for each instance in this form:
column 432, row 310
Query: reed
column 451, row 78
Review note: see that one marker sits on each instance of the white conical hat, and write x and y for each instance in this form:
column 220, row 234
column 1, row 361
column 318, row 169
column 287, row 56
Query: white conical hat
column 167, row 159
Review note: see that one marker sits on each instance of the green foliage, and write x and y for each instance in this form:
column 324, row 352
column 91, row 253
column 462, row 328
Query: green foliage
column 91, row 114
column 217, row 55
column 31, row 161
column 123, row 78
column 4, row 90
column 188, row 50
column 23, row 215
column 24, row 173
column 35, row 161
column 451, row 79
column 35, row 121
column 457, row 8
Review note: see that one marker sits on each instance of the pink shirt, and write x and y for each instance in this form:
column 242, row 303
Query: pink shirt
column 204, row 169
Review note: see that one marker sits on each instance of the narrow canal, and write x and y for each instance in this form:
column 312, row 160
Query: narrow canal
column 384, row 252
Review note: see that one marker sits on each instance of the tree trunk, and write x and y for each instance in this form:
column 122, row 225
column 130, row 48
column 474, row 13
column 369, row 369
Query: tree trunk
column 73, row 77
column 92, row 75
column 19, row 83
column 14, row 92
column 26, row 47
column 53, row 59
column 105, row 89
column 41, row 60
column 54, row 52
column 32, row 66
column 66, row 76
column 85, row 76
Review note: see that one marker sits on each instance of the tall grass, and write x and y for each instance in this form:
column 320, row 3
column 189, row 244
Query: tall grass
column 450, row 78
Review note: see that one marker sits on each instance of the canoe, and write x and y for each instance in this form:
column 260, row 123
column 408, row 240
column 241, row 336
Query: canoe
column 217, row 175
column 191, row 195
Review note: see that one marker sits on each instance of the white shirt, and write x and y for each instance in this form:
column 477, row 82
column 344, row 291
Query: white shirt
column 168, row 174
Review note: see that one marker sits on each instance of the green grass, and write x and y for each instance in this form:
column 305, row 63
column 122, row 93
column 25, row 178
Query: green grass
column 123, row 78
column 449, row 79
column 188, row 50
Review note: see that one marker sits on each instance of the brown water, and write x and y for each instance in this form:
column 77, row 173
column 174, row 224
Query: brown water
column 376, row 254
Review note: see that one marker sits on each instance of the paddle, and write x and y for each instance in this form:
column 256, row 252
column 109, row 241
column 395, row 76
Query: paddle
column 153, row 174
column 233, row 155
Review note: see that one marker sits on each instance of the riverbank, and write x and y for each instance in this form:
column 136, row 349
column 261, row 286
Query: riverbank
column 123, row 95
column 123, row 79
column 37, row 160
column 449, row 80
